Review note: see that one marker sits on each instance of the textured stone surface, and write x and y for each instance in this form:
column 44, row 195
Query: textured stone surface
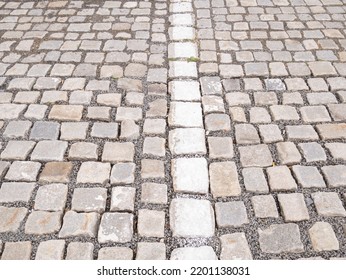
column 116, row 227
column 133, row 105
column 184, row 219
column 278, row 239
column 79, row 224
column 190, row 175
column 194, row 253
column 224, row 179
column 235, row 247
column 323, row 237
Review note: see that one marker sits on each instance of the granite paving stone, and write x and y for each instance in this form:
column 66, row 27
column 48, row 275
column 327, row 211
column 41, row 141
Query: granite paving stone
column 183, row 130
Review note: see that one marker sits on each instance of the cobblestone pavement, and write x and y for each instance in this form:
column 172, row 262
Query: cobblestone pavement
column 210, row 129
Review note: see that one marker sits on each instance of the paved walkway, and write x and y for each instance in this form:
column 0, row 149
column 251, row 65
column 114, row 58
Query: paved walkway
column 210, row 129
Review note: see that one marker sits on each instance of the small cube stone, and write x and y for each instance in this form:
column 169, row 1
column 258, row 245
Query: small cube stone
column 151, row 223
column 185, row 217
column 116, row 227
column 123, row 199
column 231, row 214
column 224, row 179
column 93, row 173
column 89, row 200
column 79, row 224
column 264, row 206
column 323, row 237
column 293, row 207
column 235, row 247
column 51, row 197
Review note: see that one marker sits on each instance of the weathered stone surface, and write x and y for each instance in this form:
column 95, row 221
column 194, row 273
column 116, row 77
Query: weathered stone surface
column 335, row 175
column 42, row 222
column 224, row 179
column 280, row 178
column 94, row 173
column 194, row 253
column 89, row 200
column 151, row 223
column 123, row 173
column 17, row 251
column 16, row 192
column 118, row 152
column 56, row 172
column 47, row 150
column 264, row 206
column 115, row 253
column 123, row 199
column 11, row 218
column 323, row 237
column 151, row 251
column 50, row 250
column 231, row 214
column 80, row 251
column 328, row 204
column 24, row 171
column 154, row 193
column 284, row 238
column 254, row 180
column 51, row 197
column 185, row 217
column 116, row 227
column 79, row 224
column 190, row 175
column 255, row 156
column 293, row 207
column 187, row 141
column 235, row 247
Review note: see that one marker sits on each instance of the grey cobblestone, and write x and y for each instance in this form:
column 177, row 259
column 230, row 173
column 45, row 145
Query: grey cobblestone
column 135, row 122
